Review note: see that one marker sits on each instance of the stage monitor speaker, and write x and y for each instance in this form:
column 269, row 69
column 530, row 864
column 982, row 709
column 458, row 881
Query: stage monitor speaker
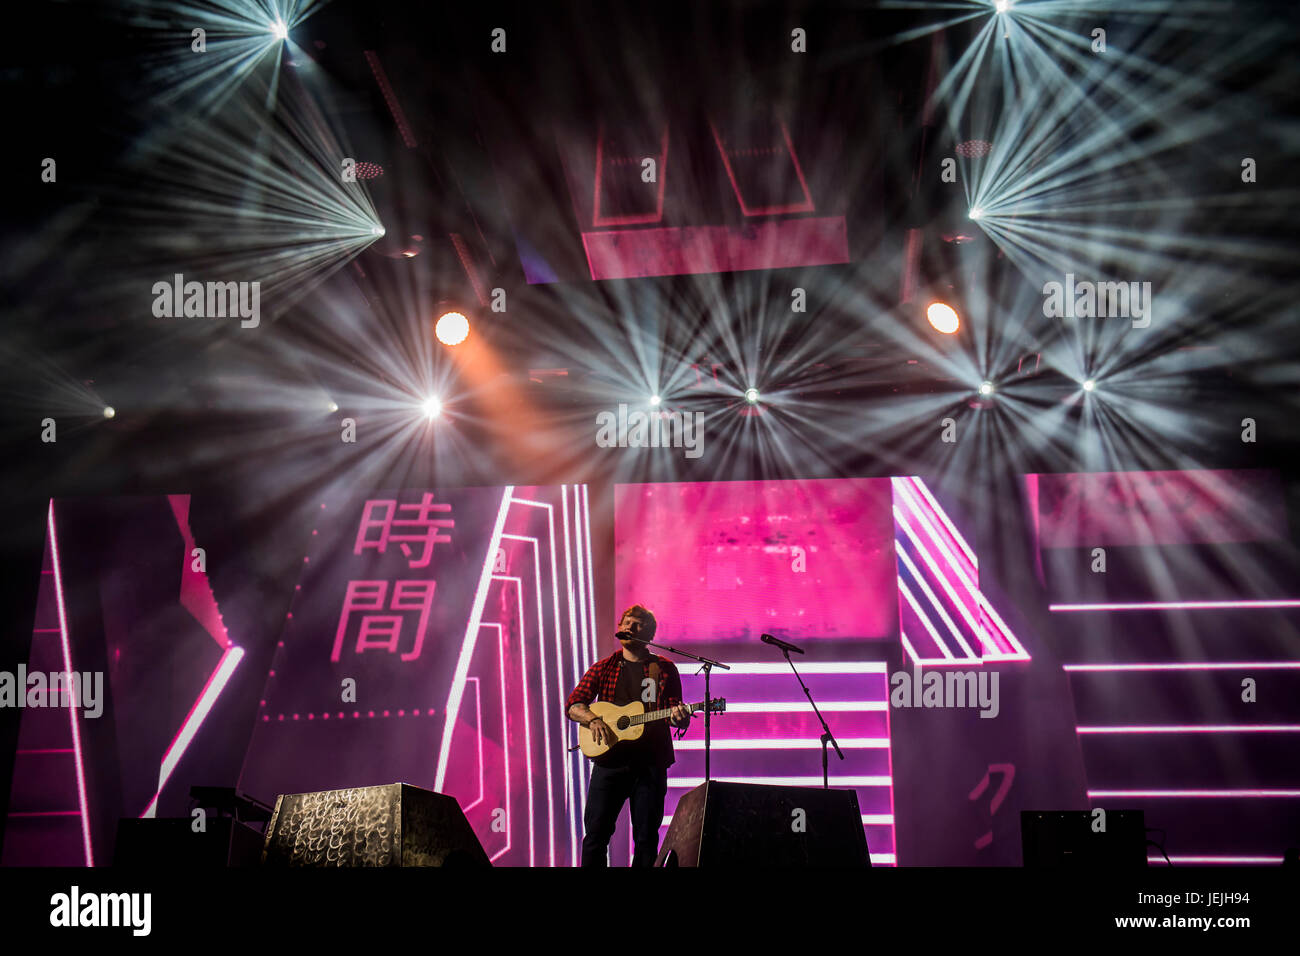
column 754, row 825
column 391, row 825
column 1067, row 839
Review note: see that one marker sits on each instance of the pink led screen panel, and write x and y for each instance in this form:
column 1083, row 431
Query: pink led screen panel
column 728, row 561
column 1119, row 508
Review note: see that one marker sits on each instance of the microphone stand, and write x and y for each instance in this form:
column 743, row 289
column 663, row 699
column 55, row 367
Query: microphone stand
column 708, row 666
column 827, row 736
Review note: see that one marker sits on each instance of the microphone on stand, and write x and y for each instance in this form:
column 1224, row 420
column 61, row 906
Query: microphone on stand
column 777, row 642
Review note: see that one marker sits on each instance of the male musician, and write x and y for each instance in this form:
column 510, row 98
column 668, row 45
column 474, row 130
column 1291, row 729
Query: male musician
column 633, row 770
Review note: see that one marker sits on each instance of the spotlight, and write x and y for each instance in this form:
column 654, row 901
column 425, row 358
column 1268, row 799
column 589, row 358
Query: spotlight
column 109, row 411
column 655, row 399
column 943, row 317
column 751, row 395
column 279, row 30
column 333, row 407
column 986, row 388
column 432, row 408
column 976, row 212
column 1002, row 6
column 376, row 230
column 1089, row 385
column 452, row 328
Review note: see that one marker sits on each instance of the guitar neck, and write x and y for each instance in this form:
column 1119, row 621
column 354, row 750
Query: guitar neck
column 653, row 715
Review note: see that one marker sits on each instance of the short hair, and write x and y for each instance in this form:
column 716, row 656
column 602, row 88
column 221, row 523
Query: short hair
column 648, row 622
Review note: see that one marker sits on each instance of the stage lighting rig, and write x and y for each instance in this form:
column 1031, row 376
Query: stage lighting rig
column 943, row 317
column 452, row 328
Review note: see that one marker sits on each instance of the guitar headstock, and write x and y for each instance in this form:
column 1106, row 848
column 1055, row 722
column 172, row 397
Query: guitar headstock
column 718, row 705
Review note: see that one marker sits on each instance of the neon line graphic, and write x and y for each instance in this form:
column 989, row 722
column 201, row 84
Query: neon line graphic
column 587, row 591
column 1198, row 666
column 997, row 642
column 505, row 749
column 1195, row 729
column 854, row 667
column 1020, row 654
column 938, row 606
column 904, row 590
column 943, row 579
column 886, row 858
column 67, row 673
column 1176, row 606
column 478, row 710
column 468, row 642
column 935, row 537
column 784, row 743
column 570, row 791
column 1208, row 794
column 541, row 647
column 597, row 219
column 196, row 591
column 559, row 650
column 1219, row 860
column 588, row 639
column 582, row 650
column 907, row 646
column 889, row 756
column 690, row 783
column 868, row 819
column 528, row 736
column 801, row 706
column 591, row 587
column 947, row 522
column 190, row 728
column 783, row 208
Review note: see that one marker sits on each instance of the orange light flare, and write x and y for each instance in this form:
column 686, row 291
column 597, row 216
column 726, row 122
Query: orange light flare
column 523, row 433
column 943, row 317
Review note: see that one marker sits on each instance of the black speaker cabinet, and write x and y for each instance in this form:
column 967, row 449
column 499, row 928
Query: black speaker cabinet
column 754, row 825
column 1066, row 839
column 172, row 842
column 392, row 825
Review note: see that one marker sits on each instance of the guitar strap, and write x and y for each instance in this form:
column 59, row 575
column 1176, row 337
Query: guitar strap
column 652, row 671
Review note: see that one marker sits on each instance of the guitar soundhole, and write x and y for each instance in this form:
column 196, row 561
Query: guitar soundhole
column 623, row 722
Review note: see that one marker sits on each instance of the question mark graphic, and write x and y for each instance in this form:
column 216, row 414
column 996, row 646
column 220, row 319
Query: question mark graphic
column 1008, row 772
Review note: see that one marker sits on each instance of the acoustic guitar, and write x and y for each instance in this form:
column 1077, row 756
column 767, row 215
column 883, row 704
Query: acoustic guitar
column 628, row 722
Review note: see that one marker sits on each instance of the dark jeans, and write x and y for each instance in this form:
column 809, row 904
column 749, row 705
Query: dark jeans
column 610, row 788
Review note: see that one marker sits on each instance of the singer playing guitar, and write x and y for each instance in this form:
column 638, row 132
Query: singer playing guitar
column 632, row 770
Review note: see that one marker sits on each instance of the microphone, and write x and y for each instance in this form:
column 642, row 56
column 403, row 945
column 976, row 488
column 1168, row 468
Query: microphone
column 628, row 636
column 777, row 642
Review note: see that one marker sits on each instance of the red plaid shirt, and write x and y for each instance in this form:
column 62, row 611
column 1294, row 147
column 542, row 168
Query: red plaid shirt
column 601, row 681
